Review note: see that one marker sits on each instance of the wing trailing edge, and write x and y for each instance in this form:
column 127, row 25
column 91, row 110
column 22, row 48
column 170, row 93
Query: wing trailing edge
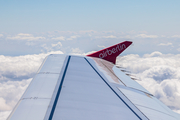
column 112, row 52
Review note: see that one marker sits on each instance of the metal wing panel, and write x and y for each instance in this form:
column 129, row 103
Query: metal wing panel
column 42, row 86
column 30, row 109
column 84, row 95
column 36, row 99
column 156, row 115
column 114, row 88
column 147, row 104
column 128, row 81
column 52, row 64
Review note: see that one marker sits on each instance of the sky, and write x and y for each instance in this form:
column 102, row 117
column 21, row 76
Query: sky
column 161, row 17
column 32, row 29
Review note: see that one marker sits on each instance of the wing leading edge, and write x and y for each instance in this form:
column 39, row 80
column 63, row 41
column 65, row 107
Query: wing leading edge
column 81, row 87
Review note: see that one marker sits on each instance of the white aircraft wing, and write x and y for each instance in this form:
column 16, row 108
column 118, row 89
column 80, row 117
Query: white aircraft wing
column 69, row 87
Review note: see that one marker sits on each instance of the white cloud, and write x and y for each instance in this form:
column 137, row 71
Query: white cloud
column 1, row 35
column 155, row 70
column 15, row 75
column 4, row 115
column 20, row 66
column 57, row 44
column 178, row 111
column 30, row 43
column 154, row 54
column 76, row 51
column 178, row 49
column 110, row 36
column 28, row 37
column 127, row 37
column 159, row 73
column 89, row 52
column 101, row 46
column 10, row 93
column 146, row 36
column 73, row 37
column 3, row 105
column 23, row 34
column 59, row 38
column 175, row 36
column 166, row 44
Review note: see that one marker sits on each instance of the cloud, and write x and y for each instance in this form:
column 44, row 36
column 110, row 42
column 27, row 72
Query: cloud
column 101, row 46
column 158, row 73
column 178, row 49
column 59, row 38
column 166, row 44
column 15, row 75
column 4, row 114
column 178, row 111
column 57, row 45
column 20, row 66
column 10, row 93
column 155, row 70
column 3, row 105
column 110, row 36
column 154, row 54
column 73, row 37
column 1, row 35
column 175, row 36
column 28, row 37
column 76, row 51
column 146, row 36
column 126, row 37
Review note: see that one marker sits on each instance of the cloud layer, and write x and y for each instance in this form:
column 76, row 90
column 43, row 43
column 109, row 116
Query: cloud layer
column 26, row 43
column 15, row 75
column 158, row 73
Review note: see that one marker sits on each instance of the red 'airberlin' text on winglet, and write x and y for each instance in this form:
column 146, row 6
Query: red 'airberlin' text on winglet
column 112, row 52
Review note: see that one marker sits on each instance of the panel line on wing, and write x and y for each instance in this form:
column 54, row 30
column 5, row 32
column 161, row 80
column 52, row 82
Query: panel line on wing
column 132, row 102
column 47, row 73
column 154, row 110
column 113, row 89
column 59, row 90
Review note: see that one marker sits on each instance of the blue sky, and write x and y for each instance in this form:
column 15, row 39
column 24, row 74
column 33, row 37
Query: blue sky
column 161, row 17
column 31, row 27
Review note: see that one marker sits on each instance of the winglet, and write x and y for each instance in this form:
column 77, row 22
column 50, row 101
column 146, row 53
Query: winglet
column 112, row 52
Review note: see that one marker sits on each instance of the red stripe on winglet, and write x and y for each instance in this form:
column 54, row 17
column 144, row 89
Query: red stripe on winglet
column 112, row 52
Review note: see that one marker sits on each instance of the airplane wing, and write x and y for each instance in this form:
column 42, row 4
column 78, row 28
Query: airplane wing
column 91, row 87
